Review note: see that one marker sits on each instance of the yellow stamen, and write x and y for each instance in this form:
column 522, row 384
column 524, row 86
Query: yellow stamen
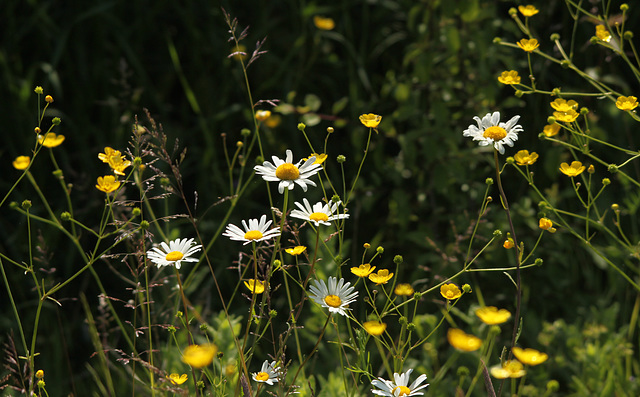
column 333, row 300
column 319, row 217
column 404, row 390
column 262, row 376
column 174, row 256
column 253, row 235
column 494, row 132
column 287, row 172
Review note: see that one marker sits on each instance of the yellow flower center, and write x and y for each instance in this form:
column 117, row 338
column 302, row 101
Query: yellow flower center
column 174, row 256
column 494, row 132
column 287, row 172
column 253, row 235
column 262, row 376
column 333, row 300
column 404, row 390
column 319, row 217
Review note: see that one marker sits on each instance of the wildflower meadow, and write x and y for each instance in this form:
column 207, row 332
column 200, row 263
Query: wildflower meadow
column 362, row 198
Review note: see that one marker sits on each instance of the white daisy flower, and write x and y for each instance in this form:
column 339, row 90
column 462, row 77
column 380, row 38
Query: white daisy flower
column 269, row 373
column 320, row 213
column 399, row 386
column 336, row 298
column 287, row 173
column 255, row 231
column 490, row 131
column 174, row 253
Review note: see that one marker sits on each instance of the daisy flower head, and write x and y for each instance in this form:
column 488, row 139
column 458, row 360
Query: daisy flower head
column 320, row 213
column 399, row 386
column 253, row 232
column 269, row 373
column 288, row 173
column 336, row 297
column 174, row 253
column 491, row 131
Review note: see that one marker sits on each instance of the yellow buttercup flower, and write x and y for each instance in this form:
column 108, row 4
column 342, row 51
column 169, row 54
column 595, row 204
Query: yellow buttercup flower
column 39, row 374
column 108, row 183
column 602, row 33
column 403, row 290
column 262, row 115
column 323, row 23
column 528, row 45
column 627, row 103
column 462, row 341
column 382, row 277
column 363, row 270
column 450, row 291
column 508, row 243
column 576, row 168
column 550, row 130
column 524, row 158
column 374, row 328
column 177, row 379
column 566, row 117
column 255, row 286
column 545, row 223
column 50, row 139
column 370, row 120
column 529, row 356
column 509, row 369
column 199, row 356
column 562, row 105
column 295, row 251
column 320, row 158
column 509, row 77
column 491, row 315
column 21, row 162
column 528, row 11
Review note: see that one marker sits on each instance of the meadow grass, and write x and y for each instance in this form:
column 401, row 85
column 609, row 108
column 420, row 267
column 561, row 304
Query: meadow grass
column 295, row 206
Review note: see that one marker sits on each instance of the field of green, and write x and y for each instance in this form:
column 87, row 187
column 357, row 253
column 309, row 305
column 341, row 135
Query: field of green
column 353, row 198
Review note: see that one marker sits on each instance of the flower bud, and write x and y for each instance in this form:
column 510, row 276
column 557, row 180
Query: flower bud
column 48, row 99
column 513, row 12
column 144, row 225
column 489, row 181
column 565, row 64
column 203, row 327
column 612, row 168
column 38, row 90
column 65, row 216
column 56, row 121
column 330, row 130
column 518, row 93
column 37, row 130
column 497, row 233
column 273, row 314
column 398, row 259
column 341, row 159
column 380, row 250
column 497, row 40
column 366, row 245
column 624, row 7
column 551, row 120
column 466, row 288
column 245, row 132
column 136, row 211
column 301, row 126
column 39, row 374
column 628, row 35
column 26, row 204
column 554, row 37
column 606, row 181
column 538, row 262
column 615, row 207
